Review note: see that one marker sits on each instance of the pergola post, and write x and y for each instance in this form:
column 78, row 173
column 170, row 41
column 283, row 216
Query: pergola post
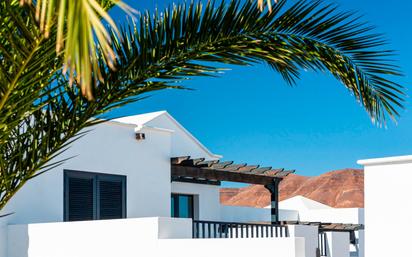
column 274, row 200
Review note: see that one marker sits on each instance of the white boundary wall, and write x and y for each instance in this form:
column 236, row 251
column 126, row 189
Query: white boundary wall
column 137, row 237
column 388, row 206
column 240, row 247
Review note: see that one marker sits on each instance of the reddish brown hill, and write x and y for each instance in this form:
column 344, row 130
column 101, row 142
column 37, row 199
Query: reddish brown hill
column 339, row 188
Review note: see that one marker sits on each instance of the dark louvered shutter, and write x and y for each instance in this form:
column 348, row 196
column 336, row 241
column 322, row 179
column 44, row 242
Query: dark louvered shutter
column 111, row 199
column 89, row 196
column 80, row 199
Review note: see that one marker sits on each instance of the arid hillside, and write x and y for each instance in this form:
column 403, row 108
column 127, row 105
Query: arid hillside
column 339, row 188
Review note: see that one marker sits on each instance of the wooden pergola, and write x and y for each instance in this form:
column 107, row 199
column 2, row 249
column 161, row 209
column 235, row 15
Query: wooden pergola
column 326, row 226
column 198, row 170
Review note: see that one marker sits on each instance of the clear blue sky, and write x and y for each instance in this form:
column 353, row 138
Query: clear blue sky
column 251, row 115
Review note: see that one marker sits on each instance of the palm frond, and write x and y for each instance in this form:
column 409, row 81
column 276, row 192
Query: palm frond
column 78, row 23
column 310, row 35
column 261, row 4
column 26, row 61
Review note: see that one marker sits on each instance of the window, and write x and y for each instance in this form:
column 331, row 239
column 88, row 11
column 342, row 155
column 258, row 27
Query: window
column 182, row 206
column 91, row 196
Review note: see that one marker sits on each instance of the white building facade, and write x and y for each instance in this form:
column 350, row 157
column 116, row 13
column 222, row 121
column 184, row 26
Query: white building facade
column 116, row 197
column 388, row 206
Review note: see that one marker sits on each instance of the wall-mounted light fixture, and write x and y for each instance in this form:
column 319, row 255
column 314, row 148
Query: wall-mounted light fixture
column 140, row 136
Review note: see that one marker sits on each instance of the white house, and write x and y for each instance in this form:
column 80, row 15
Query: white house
column 388, row 206
column 143, row 185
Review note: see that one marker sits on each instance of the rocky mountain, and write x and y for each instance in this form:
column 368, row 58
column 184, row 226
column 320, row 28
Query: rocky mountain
column 339, row 188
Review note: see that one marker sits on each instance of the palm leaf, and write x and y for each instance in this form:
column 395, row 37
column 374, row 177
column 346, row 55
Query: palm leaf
column 78, row 23
column 27, row 60
column 310, row 35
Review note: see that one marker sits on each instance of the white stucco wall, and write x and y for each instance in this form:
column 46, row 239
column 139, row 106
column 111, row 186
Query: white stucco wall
column 3, row 238
column 244, row 214
column 335, row 215
column 108, row 149
column 288, row 215
column 388, row 206
column 251, row 214
column 240, row 247
column 206, row 199
column 124, row 237
column 137, row 237
column 310, row 234
column 337, row 244
column 183, row 142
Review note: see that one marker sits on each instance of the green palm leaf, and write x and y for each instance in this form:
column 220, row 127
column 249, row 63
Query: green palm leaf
column 310, row 35
column 78, row 23
column 27, row 61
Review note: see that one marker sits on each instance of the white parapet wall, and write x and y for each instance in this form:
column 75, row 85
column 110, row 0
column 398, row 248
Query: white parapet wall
column 310, row 234
column 251, row 214
column 337, row 244
column 137, row 237
column 123, row 237
column 239, row 247
column 388, row 206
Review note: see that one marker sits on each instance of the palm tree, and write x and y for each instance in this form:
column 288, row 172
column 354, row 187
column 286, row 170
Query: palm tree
column 41, row 114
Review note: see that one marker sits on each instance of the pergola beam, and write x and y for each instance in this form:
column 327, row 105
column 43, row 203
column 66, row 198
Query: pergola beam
column 220, row 175
column 324, row 226
column 216, row 168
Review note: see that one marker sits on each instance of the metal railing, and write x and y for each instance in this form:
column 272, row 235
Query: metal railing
column 323, row 244
column 218, row 229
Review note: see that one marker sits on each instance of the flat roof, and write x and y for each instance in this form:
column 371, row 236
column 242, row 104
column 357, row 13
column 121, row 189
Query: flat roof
column 386, row 160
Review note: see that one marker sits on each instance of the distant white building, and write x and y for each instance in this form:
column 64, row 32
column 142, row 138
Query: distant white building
column 304, row 209
column 144, row 186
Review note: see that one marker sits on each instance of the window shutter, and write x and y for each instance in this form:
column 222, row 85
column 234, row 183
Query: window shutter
column 111, row 199
column 91, row 196
column 80, row 199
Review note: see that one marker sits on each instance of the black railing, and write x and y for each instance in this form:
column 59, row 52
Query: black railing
column 217, row 229
column 323, row 244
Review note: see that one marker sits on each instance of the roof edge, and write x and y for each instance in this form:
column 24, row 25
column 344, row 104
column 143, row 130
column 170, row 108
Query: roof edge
column 194, row 139
column 386, row 160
